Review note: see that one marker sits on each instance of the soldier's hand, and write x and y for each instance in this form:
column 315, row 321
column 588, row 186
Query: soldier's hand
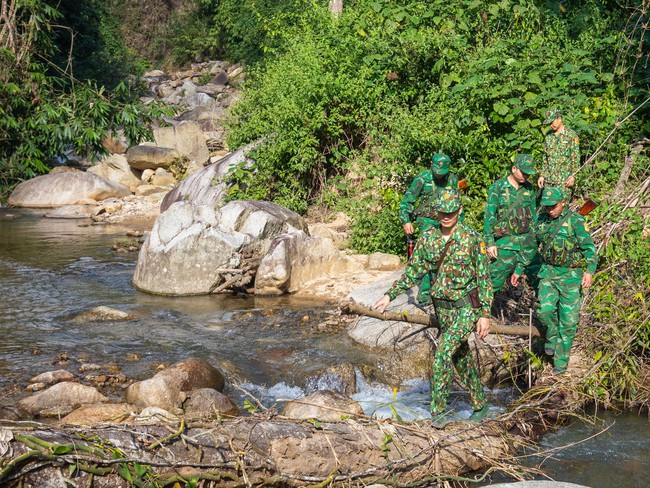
column 570, row 182
column 408, row 228
column 382, row 303
column 586, row 280
column 540, row 182
column 482, row 327
column 492, row 252
column 514, row 279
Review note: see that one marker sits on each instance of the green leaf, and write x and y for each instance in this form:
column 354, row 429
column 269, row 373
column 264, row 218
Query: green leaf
column 501, row 108
column 589, row 77
column 534, row 78
column 61, row 450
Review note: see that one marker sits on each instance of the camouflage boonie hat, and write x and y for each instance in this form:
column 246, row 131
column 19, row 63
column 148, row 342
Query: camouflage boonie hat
column 440, row 164
column 525, row 163
column 448, row 201
column 551, row 115
column 551, row 196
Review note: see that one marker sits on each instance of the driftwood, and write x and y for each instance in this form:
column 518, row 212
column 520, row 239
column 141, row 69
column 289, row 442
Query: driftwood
column 273, row 451
column 237, row 276
column 249, row 452
column 352, row 307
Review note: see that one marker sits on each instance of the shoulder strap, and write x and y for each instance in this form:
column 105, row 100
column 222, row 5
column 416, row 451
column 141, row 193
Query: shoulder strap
column 441, row 259
column 557, row 228
column 505, row 215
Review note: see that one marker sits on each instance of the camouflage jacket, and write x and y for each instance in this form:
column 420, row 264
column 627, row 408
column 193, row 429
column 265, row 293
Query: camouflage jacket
column 423, row 191
column 465, row 267
column 561, row 157
column 507, row 226
column 570, row 247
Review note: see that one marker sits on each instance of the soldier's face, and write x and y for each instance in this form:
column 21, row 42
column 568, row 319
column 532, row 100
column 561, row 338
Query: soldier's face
column 448, row 219
column 556, row 124
column 519, row 176
column 554, row 211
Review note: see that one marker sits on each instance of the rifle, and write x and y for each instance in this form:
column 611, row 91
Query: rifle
column 410, row 245
column 587, row 207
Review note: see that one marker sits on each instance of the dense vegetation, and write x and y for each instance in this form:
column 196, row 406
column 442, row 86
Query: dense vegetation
column 351, row 107
column 47, row 109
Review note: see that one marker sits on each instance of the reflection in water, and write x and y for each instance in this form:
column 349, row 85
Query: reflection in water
column 52, row 269
column 615, row 452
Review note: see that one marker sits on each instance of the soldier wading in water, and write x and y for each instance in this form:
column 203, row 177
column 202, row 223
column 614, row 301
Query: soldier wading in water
column 461, row 294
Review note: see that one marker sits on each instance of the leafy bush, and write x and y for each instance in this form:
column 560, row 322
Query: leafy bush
column 377, row 91
column 44, row 114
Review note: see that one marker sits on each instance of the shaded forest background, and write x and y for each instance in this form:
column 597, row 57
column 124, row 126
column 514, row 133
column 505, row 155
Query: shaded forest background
column 352, row 106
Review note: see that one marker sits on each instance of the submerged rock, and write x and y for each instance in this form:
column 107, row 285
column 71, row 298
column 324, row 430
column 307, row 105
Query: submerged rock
column 324, row 405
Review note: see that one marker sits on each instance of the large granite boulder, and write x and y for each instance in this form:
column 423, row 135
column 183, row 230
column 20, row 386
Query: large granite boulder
column 207, row 186
column 55, row 190
column 116, row 168
column 189, row 244
column 149, row 156
column 186, row 138
column 294, row 259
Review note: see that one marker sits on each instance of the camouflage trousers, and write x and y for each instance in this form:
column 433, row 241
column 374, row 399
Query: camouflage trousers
column 504, row 265
column 560, row 300
column 424, row 288
column 453, row 350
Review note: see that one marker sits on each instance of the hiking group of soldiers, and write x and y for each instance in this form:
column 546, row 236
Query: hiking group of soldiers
column 458, row 269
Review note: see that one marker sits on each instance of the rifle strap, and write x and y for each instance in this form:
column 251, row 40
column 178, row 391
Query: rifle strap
column 513, row 206
column 441, row 259
column 556, row 229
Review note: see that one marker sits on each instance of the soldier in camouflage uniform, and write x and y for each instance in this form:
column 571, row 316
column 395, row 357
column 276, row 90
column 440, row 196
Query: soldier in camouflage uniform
column 462, row 298
column 561, row 153
column 423, row 191
column 508, row 223
column 566, row 248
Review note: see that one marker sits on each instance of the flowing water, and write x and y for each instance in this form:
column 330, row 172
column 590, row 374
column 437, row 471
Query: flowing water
column 274, row 348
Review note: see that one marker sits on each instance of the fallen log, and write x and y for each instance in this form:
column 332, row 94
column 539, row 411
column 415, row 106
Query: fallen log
column 269, row 450
column 247, row 452
column 420, row 317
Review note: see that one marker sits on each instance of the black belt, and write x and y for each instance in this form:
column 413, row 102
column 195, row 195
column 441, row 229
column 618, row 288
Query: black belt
column 452, row 304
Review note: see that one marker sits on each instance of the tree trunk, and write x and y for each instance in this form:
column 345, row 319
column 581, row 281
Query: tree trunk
column 352, row 307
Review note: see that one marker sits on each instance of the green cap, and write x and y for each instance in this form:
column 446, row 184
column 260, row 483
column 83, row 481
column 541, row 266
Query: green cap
column 551, row 196
column 525, row 163
column 440, row 164
column 551, row 115
column 448, row 201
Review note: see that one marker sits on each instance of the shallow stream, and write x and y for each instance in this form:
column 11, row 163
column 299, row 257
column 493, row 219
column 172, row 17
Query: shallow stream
column 273, row 348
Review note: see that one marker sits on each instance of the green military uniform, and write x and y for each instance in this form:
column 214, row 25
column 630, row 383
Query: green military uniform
column 508, row 224
column 561, row 153
column 463, row 270
column 565, row 248
column 423, row 191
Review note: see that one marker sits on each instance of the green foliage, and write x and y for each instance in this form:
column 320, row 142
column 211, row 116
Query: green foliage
column 375, row 229
column 45, row 113
column 381, row 88
column 90, row 40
